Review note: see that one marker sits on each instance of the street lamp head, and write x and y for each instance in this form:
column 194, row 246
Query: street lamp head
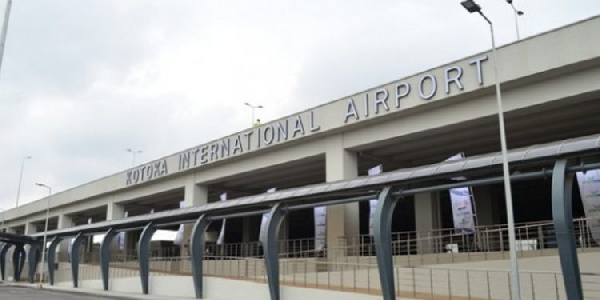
column 134, row 151
column 28, row 157
column 252, row 106
column 45, row 186
column 471, row 6
column 518, row 12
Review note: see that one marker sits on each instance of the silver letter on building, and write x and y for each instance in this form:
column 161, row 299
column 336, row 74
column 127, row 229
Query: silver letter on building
column 351, row 111
column 433, row 87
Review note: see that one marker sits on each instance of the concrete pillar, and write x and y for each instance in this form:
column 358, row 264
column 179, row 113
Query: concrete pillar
column 488, row 210
column 342, row 220
column 30, row 228
column 115, row 211
column 64, row 221
column 427, row 219
column 194, row 195
column 247, row 229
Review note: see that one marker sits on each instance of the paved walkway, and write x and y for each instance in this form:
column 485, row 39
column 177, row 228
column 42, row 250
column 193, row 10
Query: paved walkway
column 14, row 291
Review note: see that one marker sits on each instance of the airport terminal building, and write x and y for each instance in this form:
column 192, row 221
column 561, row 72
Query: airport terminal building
column 550, row 91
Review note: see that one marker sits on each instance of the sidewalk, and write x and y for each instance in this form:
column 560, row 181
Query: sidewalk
column 92, row 292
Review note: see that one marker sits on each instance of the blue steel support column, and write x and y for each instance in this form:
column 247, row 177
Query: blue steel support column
column 143, row 249
column 197, row 251
column 271, row 250
column 52, row 258
column 562, row 213
column 32, row 261
column 75, row 246
column 382, row 233
column 3, row 252
column 105, row 256
column 18, row 261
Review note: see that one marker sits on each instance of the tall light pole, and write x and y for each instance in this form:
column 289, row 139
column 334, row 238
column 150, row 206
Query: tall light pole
column 517, row 14
column 253, row 107
column 45, row 231
column 472, row 7
column 4, row 30
column 3, row 218
column 21, row 178
column 133, row 154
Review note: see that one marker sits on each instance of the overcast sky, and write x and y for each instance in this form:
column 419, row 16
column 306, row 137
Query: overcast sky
column 82, row 81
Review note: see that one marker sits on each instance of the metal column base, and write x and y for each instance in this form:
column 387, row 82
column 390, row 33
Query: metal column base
column 32, row 259
column 197, row 251
column 18, row 261
column 3, row 252
column 143, row 249
column 382, row 227
column 105, row 256
column 52, row 258
column 271, row 250
column 75, row 258
column 562, row 186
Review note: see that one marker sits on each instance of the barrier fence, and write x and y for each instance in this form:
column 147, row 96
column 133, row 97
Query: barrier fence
column 411, row 282
column 351, row 266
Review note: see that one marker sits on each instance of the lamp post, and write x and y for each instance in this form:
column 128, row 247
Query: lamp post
column 517, row 14
column 253, row 107
column 21, row 178
column 133, row 154
column 472, row 7
column 3, row 218
column 4, row 29
column 45, row 231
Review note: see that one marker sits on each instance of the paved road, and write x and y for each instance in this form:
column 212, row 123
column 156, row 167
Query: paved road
column 25, row 293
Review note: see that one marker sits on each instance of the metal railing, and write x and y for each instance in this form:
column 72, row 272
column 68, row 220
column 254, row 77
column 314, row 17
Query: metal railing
column 414, row 282
column 352, row 267
column 485, row 242
column 433, row 283
column 409, row 248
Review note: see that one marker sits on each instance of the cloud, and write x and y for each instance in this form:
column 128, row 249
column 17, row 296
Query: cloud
column 83, row 81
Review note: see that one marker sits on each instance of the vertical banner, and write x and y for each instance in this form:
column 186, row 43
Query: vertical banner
column 320, row 227
column 121, row 236
column 376, row 170
column 462, row 207
column 90, row 239
column 265, row 217
column 221, row 237
column 589, row 188
column 178, row 240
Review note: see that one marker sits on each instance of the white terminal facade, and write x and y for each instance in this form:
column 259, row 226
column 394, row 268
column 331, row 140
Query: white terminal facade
column 551, row 91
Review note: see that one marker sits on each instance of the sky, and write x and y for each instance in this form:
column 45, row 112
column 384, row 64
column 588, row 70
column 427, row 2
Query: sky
column 82, row 81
